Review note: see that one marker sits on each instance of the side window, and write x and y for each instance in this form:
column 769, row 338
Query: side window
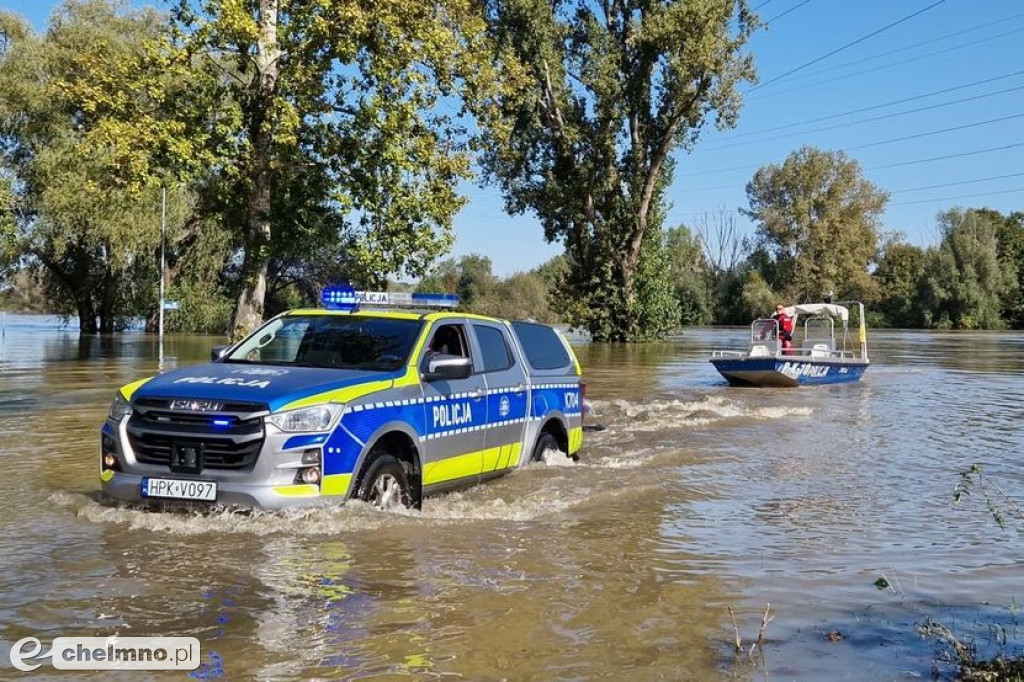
column 543, row 348
column 493, row 348
column 278, row 342
column 449, row 339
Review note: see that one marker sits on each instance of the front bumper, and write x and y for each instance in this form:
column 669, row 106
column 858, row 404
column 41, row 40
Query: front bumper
column 271, row 483
column 127, row 487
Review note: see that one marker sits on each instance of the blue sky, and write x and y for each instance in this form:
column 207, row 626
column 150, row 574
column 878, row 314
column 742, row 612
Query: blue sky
column 913, row 59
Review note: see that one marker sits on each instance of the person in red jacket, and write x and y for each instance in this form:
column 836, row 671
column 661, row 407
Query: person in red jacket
column 785, row 329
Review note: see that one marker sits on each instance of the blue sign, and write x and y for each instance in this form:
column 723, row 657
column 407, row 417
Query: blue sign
column 171, row 305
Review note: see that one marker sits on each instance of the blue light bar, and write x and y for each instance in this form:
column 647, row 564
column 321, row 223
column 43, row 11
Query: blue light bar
column 222, row 422
column 436, row 300
column 339, row 297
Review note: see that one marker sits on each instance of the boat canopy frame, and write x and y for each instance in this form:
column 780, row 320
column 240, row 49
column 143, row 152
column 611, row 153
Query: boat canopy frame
column 764, row 333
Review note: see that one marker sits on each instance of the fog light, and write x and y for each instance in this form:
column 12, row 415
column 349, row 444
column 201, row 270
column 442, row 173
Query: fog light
column 109, row 461
column 310, row 475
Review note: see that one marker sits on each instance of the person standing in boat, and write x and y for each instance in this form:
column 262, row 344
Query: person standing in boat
column 785, row 323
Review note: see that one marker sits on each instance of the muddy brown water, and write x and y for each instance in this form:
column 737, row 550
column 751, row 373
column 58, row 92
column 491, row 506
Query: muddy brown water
column 696, row 497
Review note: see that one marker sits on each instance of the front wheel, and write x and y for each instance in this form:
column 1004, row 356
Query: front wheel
column 386, row 485
column 545, row 442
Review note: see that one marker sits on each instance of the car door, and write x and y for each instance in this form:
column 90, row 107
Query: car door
column 506, row 397
column 455, row 410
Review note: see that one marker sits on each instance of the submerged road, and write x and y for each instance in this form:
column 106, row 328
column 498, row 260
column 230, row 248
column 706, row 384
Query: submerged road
column 696, row 497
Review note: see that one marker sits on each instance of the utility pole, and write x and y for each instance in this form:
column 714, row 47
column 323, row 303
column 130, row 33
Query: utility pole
column 163, row 229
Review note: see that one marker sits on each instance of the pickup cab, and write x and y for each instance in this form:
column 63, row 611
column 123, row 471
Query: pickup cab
column 320, row 406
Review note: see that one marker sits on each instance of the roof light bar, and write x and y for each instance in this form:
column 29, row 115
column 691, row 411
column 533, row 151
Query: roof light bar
column 406, row 300
column 339, row 297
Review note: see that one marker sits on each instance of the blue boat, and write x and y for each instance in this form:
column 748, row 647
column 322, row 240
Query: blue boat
column 818, row 359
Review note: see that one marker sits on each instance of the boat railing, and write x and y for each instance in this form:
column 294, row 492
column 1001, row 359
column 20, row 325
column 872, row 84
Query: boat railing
column 764, row 329
column 816, row 340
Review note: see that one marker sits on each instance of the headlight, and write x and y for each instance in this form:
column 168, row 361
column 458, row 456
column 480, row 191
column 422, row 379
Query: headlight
column 319, row 418
column 119, row 408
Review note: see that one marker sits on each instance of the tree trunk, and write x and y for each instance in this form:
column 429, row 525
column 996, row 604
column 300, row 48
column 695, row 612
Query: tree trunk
column 86, row 314
column 108, row 303
column 249, row 311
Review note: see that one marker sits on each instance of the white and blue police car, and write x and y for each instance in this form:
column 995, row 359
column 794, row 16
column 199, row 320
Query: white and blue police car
column 348, row 401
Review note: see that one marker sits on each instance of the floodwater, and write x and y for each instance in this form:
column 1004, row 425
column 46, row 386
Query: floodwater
column 696, row 497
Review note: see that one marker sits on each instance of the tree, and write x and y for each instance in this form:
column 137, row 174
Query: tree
column 724, row 253
column 690, row 276
column 818, row 223
column 470, row 277
column 898, row 275
column 1010, row 245
column 757, row 298
column 86, row 142
column 522, row 296
column 601, row 94
column 964, row 283
column 337, row 136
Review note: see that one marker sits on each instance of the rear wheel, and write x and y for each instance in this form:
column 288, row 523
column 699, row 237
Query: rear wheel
column 386, row 485
column 546, row 441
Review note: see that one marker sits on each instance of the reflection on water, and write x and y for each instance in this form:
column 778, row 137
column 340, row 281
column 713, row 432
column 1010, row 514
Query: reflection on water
column 695, row 496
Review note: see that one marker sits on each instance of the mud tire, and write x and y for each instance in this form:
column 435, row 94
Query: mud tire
column 386, row 484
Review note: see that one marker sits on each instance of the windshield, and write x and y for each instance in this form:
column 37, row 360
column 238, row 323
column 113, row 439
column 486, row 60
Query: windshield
column 330, row 341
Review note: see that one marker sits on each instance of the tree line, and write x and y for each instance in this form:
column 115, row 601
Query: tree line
column 302, row 142
column 817, row 231
column 299, row 144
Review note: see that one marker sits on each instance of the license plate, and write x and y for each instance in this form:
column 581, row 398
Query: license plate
column 178, row 489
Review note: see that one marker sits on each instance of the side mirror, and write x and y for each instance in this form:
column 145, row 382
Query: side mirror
column 217, row 352
column 448, row 368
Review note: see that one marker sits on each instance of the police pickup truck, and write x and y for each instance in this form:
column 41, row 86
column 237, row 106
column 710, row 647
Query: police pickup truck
column 350, row 401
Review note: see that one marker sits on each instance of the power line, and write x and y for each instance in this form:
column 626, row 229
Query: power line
column 881, row 67
column 935, row 132
column 961, row 196
column 936, row 39
column 956, row 184
column 948, row 156
column 791, row 9
column 876, row 106
column 719, row 170
column 848, row 45
column 762, row 5
column 872, row 119
column 901, row 191
column 914, row 162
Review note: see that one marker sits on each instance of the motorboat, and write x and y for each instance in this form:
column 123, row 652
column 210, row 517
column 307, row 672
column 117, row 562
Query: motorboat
column 816, row 355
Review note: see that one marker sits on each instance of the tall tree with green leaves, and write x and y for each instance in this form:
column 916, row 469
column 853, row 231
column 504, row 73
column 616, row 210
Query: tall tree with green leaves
column 1010, row 240
column 898, row 274
column 690, row 275
column 601, row 95
column 87, row 136
column 818, row 222
column 340, row 130
column 964, row 284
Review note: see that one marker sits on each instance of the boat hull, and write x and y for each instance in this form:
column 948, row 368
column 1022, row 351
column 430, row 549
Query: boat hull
column 780, row 371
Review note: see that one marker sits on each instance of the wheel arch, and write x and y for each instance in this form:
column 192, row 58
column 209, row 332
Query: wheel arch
column 399, row 441
column 556, row 426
